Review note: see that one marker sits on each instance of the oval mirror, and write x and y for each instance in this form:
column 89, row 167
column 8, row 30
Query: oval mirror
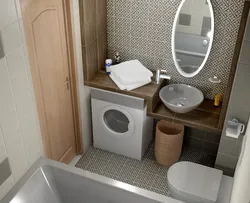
column 192, row 36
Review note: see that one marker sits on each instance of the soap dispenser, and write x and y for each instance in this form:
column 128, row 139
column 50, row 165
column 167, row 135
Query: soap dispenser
column 117, row 58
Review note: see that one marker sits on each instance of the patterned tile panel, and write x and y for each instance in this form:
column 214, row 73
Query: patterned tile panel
column 146, row 174
column 142, row 29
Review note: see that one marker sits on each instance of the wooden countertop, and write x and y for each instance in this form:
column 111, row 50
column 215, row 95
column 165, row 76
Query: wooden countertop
column 148, row 92
column 205, row 117
column 103, row 81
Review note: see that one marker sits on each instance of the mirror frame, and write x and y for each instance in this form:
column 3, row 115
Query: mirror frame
column 189, row 75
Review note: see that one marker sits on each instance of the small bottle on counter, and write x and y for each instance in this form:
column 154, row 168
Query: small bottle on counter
column 217, row 100
column 108, row 64
column 216, row 81
column 117, row 58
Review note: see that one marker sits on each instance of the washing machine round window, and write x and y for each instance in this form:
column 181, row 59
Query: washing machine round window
column 118, row 121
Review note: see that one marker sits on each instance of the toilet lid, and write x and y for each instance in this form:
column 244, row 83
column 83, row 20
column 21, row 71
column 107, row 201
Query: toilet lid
column 195, row 180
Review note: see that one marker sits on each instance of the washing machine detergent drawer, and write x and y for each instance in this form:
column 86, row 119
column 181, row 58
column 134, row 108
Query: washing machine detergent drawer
column 120, row 99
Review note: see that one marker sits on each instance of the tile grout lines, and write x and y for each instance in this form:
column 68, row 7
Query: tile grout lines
column 146, row 174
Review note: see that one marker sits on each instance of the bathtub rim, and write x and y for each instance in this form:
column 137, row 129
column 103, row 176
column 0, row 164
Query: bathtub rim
column 42, row 162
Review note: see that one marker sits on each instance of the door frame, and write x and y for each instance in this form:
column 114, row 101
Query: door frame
column 73, row 74
column 68, row 12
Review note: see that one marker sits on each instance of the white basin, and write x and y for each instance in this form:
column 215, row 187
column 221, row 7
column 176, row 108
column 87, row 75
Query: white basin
column 181, row 98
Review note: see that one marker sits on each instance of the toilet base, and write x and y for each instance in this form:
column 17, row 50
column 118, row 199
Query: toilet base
column 185, row 197
column 224, row 195
column 194, row 183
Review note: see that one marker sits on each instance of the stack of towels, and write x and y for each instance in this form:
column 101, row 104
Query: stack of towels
column 130, row 75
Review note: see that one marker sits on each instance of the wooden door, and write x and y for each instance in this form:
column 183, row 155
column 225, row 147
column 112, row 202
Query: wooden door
column 45, row 31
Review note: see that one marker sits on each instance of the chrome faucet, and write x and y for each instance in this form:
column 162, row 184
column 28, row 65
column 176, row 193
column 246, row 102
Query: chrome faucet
column 160, row 76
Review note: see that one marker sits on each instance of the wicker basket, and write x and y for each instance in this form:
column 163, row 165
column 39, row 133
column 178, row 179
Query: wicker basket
column 168, row 142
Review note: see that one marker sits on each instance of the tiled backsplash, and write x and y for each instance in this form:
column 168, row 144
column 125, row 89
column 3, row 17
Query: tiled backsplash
column 20, row 139
column 197, row 139
column 142, row 29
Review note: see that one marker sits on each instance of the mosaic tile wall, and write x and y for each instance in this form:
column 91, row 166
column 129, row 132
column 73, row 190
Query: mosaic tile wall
column 141, row 29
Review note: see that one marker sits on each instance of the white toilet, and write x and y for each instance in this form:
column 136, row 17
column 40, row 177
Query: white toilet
column 194, row 183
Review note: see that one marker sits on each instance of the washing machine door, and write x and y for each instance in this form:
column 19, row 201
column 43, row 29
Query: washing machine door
column 117, row 121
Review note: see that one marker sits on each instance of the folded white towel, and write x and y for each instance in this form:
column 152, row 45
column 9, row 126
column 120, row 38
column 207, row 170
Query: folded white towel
column 137, row 81
column 131, row 72
column 128, row 87
column 135, row 86
column 121, row 86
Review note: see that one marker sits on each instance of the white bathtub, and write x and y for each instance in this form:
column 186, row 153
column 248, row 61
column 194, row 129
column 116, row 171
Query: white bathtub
column 52, row 182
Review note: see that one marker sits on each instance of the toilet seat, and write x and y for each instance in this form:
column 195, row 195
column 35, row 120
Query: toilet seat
column 195, row 181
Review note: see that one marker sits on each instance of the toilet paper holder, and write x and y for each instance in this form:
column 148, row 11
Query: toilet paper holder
column 234, row 128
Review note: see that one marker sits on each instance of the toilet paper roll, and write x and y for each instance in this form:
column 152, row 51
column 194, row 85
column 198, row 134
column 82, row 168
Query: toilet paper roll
column 234, row 129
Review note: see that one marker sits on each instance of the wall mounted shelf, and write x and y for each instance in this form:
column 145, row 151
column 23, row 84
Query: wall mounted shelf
column 205, row 117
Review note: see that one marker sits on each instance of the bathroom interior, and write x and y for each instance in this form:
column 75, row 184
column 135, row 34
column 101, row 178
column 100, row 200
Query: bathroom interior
column 124, row 101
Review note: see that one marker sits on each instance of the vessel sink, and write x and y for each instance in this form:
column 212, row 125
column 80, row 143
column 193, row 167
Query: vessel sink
column 181, row 98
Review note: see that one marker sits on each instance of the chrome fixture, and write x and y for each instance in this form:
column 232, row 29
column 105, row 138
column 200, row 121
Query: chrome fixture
column 160, row 76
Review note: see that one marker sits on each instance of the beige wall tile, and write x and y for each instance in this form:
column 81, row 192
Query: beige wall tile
column 6, row 101
column 16, row 154
column 22, row 96
column 20, row 137
column 16, row 63
column 18, row 9
column 10, row 38
column 8, row 13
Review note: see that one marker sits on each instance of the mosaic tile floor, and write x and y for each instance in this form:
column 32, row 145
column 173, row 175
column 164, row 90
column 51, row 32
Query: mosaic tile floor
column 146, row 174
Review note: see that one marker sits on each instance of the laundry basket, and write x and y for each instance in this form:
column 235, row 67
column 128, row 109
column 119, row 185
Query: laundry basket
column 168, row 142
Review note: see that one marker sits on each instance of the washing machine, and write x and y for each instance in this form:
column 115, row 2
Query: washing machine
column 120, row 123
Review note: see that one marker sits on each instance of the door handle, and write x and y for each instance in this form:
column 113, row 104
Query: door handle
column 67, row 83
